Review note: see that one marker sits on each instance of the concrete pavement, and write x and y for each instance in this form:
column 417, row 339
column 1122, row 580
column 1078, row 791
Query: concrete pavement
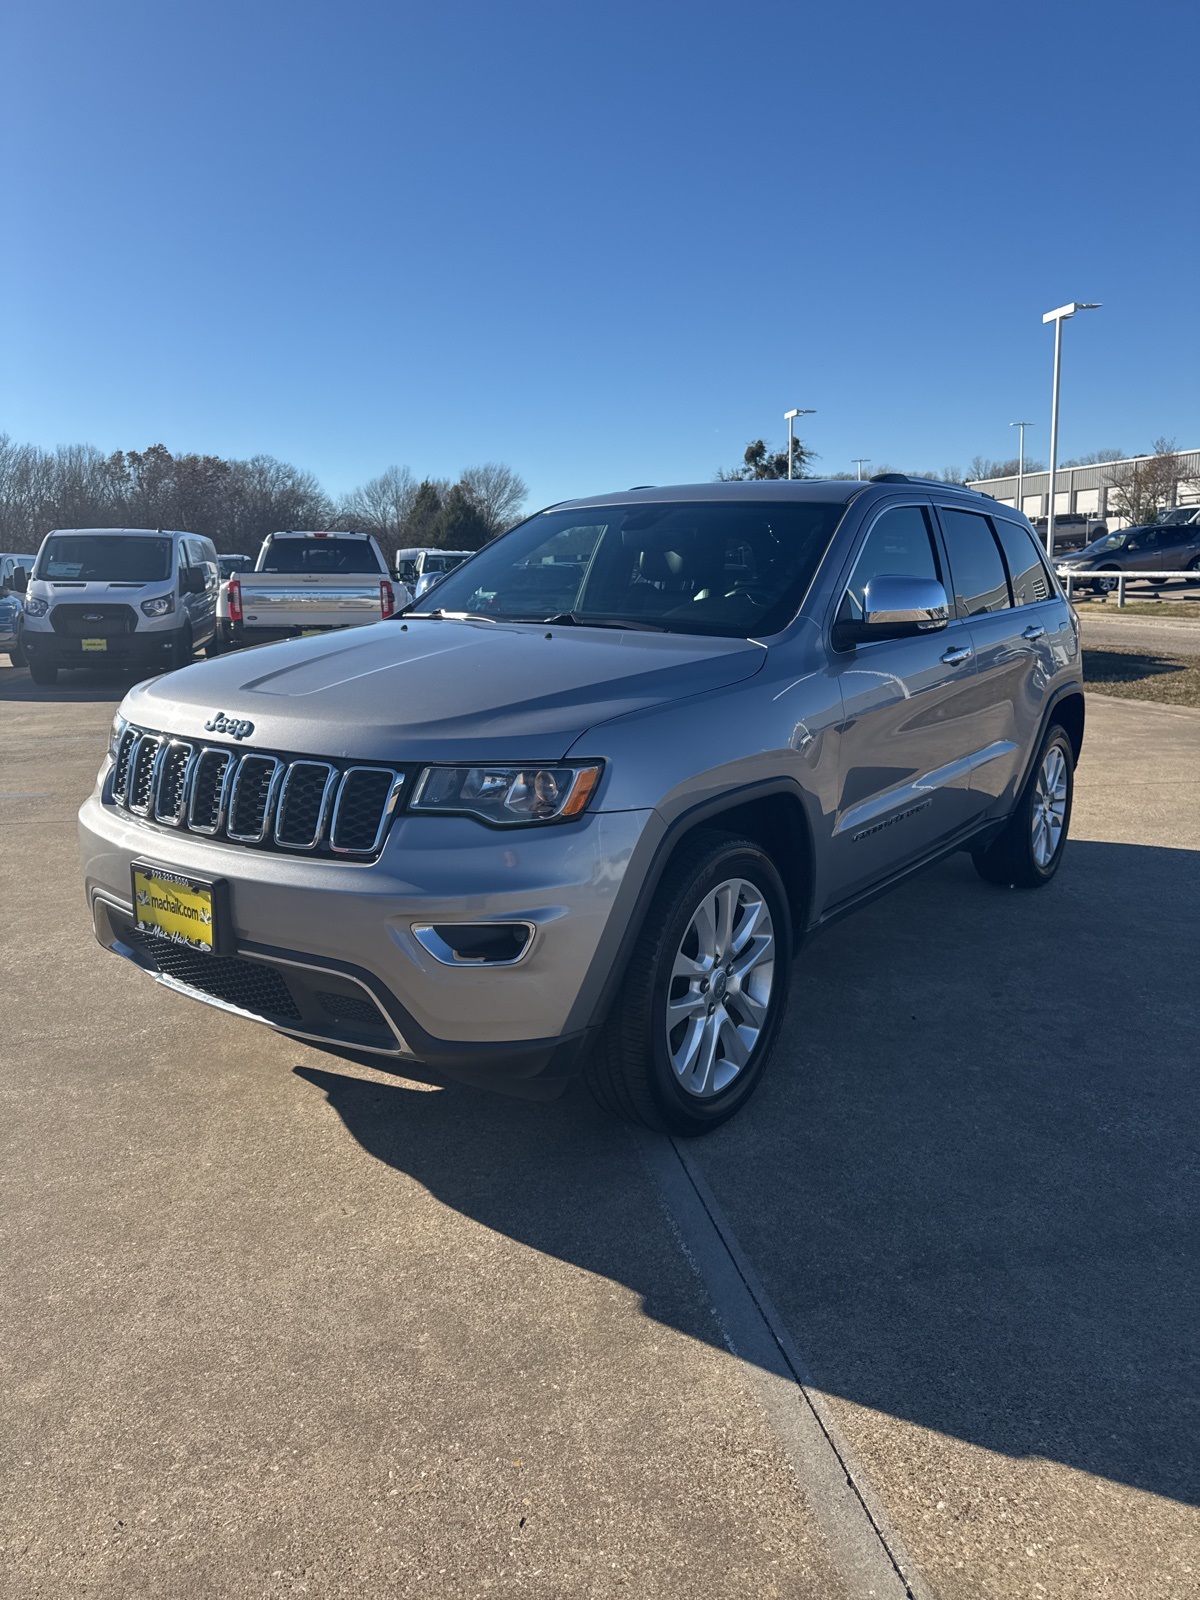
column 274, row 1324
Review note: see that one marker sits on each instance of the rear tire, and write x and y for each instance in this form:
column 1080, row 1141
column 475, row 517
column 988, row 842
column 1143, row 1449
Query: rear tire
column 42, row 673
column 1027, row 854
column 727, row 992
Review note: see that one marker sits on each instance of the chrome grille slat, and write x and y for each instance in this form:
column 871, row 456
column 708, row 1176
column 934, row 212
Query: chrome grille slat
column 303, row 810
column 255, row 786
column 328, row 808
column 174, row 773
column 208, row 802
column 143, row 765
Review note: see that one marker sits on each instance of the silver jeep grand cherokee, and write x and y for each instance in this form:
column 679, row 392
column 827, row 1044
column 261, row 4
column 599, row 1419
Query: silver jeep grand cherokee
column 577, row 811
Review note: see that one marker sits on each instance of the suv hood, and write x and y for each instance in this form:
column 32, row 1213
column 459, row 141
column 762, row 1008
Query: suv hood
column 439, row 690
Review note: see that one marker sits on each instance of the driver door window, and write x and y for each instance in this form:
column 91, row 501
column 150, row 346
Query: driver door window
column 899, row 545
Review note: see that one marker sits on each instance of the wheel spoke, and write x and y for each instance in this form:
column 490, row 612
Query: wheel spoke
column 736, row 1049
column 726, row 899
column 705, row 925
column 762, row 949
column 687, row 1005
column 752, row 916
column 753, row 1009
column 690, row 967
column 702, row 1073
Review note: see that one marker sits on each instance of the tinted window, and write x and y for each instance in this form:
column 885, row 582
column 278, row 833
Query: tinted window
column 321, row 555
column 899, row 545
column 105, row 558
column 733, row 569
column 980, row 583
column 1026, row 568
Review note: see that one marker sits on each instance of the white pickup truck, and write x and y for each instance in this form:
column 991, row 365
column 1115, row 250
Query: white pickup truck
column 307, row 583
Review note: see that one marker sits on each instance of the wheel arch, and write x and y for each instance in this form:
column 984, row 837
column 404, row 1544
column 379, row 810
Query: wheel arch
column 773, row 814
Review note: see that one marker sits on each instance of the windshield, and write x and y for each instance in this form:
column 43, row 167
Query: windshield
column 446, row 563
column 1107, row 541
column 104, row 558
column 1181, row 514
column 321, row 555
column 734, row 570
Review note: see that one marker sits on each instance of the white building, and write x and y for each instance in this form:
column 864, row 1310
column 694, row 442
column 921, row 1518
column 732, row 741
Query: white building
column 1084, row 490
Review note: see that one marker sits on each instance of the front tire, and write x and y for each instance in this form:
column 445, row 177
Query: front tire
column 1027, row 854
column 182, row 649
column 695, row 1021
column 42, row 672
column 1105, row 584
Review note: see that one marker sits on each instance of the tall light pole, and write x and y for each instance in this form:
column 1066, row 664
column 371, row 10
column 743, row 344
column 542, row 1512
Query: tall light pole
column 790, row 418
column 1021, row 464
column 860, row 462
column 1058, row 316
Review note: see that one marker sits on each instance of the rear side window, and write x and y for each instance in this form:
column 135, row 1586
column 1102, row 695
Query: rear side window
column 321, row 555
column 1026, row 567
column 899, row 545
column 980, row 582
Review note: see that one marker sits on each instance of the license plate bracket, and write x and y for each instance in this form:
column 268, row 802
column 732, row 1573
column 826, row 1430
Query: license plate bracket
column 94, row 644
column 180, row 908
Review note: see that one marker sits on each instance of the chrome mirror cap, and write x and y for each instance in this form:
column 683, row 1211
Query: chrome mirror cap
column 919, row 605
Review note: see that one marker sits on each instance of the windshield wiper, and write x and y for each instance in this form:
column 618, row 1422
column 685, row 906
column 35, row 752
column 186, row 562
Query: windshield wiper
column 573, row 620
column 452, row 616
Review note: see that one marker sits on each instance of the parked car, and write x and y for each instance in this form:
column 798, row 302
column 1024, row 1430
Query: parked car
column 1072, row 530
column 10, row 624
column 1180, row 517
column 306, row 583
column 1158, row 547
column 421, row 565
column 228, row 565
column 141, row 598
column 585, row 827
column 10, row 565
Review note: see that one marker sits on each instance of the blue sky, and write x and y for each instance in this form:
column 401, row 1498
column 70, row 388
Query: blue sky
column 607, row 244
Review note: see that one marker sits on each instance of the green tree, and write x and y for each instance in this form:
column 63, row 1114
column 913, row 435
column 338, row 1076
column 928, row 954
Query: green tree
column 461, row 524
column 759, row 462
column 423, row 514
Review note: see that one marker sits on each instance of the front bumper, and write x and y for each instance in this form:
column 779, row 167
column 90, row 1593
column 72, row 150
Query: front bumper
column 152, row 652
column 339, row 938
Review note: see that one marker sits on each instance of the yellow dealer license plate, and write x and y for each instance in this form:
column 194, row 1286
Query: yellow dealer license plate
column 95, row 644
column 174, row 907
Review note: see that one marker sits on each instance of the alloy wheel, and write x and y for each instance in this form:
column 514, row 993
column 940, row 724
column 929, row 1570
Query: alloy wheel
column 719, row 992
column 1049, row 806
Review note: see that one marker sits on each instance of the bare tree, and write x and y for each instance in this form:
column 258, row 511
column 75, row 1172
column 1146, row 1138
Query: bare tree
column 1095, row 458
column 382, row 506
column 498, row 492
column 1138, row 491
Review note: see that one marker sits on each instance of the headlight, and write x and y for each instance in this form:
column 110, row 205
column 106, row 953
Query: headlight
column 119, row 724
column 35, row 607
column 507, row 795
column 161, row 606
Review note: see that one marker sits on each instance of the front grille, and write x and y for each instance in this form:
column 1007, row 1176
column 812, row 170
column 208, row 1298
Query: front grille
column 141, row 774
column 171, row 788
column 250, row 798
column 360, row 810
column 271, row 801
column 246, row 984
column 304, row 800
column 93, row 622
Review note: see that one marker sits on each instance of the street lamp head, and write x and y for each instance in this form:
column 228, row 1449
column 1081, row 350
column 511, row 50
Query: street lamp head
column 1022, row 424
column 788, row 415
column 1061, row 313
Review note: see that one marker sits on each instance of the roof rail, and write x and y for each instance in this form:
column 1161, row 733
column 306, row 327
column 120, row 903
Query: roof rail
column 635, row 487
column 908, row 477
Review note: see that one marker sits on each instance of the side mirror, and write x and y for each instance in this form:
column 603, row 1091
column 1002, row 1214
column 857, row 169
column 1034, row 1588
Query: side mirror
column 193, row 580
column 896, row 608
column 18, row 580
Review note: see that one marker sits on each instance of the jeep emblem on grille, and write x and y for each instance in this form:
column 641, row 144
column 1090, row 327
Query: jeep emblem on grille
column 231, row 725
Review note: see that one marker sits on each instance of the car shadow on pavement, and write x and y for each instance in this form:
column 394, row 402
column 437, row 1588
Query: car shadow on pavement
column 965, row 1182
column 71, row 687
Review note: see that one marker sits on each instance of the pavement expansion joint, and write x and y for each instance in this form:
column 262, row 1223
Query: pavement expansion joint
column 862, row 1542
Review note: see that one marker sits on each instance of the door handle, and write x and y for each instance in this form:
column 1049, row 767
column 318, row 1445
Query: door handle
column 1033, row 632
column 957, row 653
